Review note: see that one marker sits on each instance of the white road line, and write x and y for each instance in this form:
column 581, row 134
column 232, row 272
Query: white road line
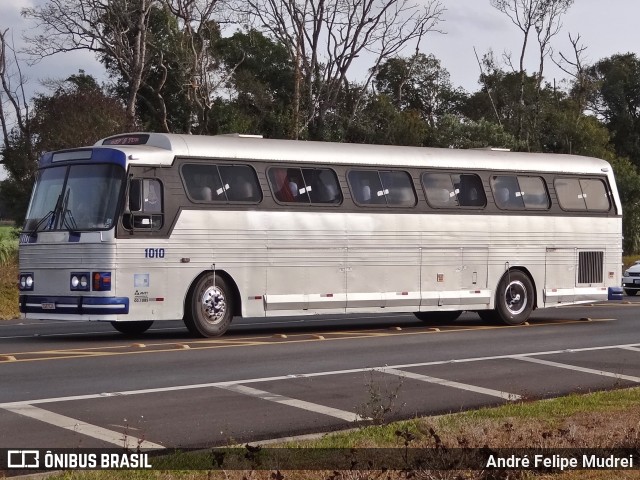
column 303, row 375
column 292, row 402
column 78, row 426
column 579, row 369
column 450, row 383
column 633, row 349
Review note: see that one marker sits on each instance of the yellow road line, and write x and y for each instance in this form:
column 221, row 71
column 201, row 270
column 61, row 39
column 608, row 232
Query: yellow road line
column 231, row 343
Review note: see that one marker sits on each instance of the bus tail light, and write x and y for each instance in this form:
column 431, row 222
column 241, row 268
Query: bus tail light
column 26, row 281
column 101, row 281
column 79, row 281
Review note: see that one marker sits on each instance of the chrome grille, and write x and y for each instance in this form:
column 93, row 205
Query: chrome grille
column 590, row 267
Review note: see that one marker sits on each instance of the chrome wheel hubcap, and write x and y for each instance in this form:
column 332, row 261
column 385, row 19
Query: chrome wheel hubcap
column 515, row 297
column 213, row 305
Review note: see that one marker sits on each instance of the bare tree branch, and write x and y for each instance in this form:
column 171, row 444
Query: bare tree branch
column 12, row 93
column 116, row 29
column 325, row 37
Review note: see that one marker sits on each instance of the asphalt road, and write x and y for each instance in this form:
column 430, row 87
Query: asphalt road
column 85, row 385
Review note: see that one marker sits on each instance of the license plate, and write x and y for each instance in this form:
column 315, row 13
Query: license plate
column 48, row 306
column 636, row 281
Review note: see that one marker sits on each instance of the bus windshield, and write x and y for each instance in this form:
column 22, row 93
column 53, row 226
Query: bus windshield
column 75, row 197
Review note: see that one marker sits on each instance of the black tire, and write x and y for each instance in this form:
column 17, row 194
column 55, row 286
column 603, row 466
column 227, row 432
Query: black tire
column 209, row 307
column 514, row 298
column 438, row 317
column 631, row 293
column 132, row 328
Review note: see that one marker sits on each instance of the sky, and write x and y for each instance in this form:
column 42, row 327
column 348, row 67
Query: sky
column 606, row 27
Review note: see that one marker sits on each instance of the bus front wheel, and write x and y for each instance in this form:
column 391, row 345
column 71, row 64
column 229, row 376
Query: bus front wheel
column 209, row 308
column 514, row 298
column 132, row 328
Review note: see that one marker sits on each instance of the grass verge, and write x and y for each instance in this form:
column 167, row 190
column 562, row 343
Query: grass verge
column 598, row 420
column 8, row 273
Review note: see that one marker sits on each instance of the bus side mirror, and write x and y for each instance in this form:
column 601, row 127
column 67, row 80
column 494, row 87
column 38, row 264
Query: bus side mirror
column 135, row 195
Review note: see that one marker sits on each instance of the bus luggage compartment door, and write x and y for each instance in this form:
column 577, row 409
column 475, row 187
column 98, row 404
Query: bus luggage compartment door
column 560, row 275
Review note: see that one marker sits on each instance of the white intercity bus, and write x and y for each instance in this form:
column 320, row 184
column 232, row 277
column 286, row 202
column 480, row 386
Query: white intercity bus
column 144, row 227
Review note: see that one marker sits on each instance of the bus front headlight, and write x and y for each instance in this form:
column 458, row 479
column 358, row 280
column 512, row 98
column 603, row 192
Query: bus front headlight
column 79, row 281
column 26, row 281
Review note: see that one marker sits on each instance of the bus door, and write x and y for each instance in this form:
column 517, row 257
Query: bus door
column 560, row 275
column 143, row 256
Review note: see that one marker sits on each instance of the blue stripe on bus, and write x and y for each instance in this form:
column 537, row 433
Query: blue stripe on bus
column 98, row 155
column 76, row 305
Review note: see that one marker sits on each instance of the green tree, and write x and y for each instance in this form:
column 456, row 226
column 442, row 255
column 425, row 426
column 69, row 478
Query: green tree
column 617, row 101
column 419, row 83
column 381, row 122
column 628, row 182
column 454, row 132
column 261, row 82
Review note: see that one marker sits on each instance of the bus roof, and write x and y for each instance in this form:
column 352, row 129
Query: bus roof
column 162, row 148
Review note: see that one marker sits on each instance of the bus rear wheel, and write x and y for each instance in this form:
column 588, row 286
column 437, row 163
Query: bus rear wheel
column 514, row 298
column 209, row 308
column 438, row 317
column 132, row 328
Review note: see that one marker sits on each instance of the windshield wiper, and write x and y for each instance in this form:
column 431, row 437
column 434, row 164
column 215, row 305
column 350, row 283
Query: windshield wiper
column 67, row 220
column 50, row 216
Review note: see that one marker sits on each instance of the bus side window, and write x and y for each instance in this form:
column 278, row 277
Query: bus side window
column 152, row 196
column 439, row 190
column 569, row 194
column 241, row 183
column 506, row 192
column 287, row 185
column 366, row 187
column 534, row 193
column 322, row 185
column 595, row 195
column 398, row 188
column 203, row 183
column 471, row 192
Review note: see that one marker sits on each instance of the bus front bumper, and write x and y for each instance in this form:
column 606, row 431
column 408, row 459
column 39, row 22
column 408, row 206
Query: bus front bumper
column 74, row 305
